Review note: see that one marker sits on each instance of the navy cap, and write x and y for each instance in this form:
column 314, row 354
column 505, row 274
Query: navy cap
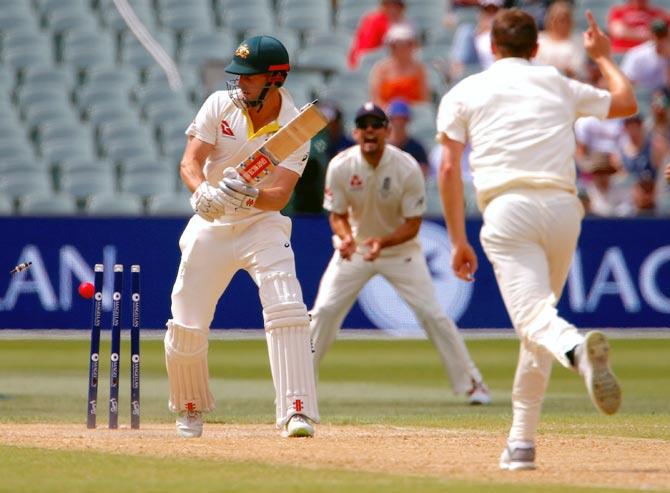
column 370, row 109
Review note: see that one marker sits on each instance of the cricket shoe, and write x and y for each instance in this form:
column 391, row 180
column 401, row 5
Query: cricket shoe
column 517, row 459
column 593, row 363
column 298, row 427
column 189, row 424
column 479, row 394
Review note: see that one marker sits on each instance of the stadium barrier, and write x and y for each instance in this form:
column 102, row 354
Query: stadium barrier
column 619, row 277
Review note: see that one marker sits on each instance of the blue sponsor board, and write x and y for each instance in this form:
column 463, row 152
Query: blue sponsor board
column 620, row 276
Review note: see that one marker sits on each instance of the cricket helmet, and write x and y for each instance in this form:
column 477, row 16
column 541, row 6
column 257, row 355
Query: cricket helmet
column 259, row 55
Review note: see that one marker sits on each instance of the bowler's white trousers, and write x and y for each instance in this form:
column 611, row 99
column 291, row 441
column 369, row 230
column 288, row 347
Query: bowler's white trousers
column 530, row 236
column 211, row 255
column 408, row 273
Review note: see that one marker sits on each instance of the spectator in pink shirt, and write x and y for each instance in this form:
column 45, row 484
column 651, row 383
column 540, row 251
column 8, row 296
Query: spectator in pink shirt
column 372, row 28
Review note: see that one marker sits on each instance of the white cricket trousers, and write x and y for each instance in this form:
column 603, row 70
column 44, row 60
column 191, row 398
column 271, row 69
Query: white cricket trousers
column 408, row 273
column 530, row 237
column 211, row 254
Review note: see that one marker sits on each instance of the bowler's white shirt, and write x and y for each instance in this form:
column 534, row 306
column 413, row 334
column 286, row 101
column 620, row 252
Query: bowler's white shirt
column 519, row 119
column 377, row 200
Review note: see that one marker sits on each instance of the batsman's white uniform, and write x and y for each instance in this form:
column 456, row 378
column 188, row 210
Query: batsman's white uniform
column 378, row 200
column 519, row 119
column 257, row 241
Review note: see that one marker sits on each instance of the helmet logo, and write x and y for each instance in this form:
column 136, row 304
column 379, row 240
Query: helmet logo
column 242, row 51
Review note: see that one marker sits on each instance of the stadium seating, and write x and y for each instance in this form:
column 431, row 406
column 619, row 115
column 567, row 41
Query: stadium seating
column 48, row 204
column 86, row 110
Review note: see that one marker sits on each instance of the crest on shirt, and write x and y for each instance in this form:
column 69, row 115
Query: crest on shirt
column 386, row 187
column 356, row 183
column 226, row 130
column 242, row 51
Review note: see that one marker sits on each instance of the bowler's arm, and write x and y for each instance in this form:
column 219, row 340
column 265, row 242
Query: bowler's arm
column 464, row 259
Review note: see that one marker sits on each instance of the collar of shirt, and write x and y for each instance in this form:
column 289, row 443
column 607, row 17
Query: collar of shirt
column 285, row 115
column 380, row 164
column 504, row 62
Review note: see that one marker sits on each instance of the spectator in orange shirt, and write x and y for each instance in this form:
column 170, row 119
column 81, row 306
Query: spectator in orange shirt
column 400, row 74
column 373, row 27
column 628, row 24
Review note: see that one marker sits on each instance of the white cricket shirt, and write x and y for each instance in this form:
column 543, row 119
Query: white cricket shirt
column 519, row 119
column 228, row 128
column 377, row 200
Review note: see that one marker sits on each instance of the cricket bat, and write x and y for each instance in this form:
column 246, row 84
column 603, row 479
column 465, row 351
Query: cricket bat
column 305, row 125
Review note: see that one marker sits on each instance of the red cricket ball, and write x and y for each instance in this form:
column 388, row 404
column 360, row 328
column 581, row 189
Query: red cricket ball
column 86, row 290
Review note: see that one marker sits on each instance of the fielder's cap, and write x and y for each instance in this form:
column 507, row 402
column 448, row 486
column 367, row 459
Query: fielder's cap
column 398, row 108
column 258, row 55
column 492, row 3
column 400, row 32
column 370, row 109
column 399, row 2
column 659, row 27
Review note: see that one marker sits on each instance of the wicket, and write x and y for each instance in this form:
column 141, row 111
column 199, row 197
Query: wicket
column 115, row 351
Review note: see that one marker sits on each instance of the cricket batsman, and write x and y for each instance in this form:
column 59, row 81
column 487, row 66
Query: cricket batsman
column 239, row 226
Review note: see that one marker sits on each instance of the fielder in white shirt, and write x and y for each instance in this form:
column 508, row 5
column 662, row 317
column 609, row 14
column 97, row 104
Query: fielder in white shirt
column 519, row 120
column 237, row 226
column 375, row 194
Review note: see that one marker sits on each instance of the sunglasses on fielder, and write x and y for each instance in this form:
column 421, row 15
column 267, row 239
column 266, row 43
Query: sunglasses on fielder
column 376, row 124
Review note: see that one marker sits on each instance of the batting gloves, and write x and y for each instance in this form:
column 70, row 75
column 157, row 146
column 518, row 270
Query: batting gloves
column 208, row 202
column 236, row 192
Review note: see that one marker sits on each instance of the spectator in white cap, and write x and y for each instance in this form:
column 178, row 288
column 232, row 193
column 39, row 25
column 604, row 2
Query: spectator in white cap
column 400, row 74
column 472, row 43
column 559, row 45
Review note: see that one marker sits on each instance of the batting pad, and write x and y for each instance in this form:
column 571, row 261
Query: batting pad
column 186, row 362
column 281, row 298
column 292, row 372
column 289, row 346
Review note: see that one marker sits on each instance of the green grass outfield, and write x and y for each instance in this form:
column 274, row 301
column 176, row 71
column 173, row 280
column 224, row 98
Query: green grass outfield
column 389, row 382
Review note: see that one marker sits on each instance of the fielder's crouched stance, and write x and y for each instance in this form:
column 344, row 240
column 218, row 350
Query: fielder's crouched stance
column 237, row 226
column 376, row 195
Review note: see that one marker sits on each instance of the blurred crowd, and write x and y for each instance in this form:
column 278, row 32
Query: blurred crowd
column 622, row 165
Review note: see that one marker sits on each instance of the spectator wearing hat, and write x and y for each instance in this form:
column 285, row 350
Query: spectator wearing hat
column 560, row 46
column 628, row 24
column 400, row 74
column 647, row 65
column 607, row 191
column 400, row 115
column 373, row 27
column 472, row 43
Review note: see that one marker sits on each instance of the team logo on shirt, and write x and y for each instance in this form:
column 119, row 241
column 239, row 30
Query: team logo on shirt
column 386, row 187
column 226, row 130
column 356, row 183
